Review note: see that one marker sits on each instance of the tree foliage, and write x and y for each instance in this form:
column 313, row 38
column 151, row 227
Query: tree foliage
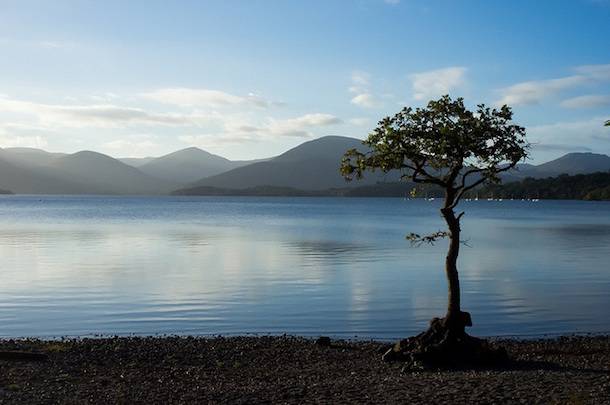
column 443, row 144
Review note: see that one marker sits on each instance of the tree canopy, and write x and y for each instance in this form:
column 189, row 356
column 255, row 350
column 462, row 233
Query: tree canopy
column 444, row 144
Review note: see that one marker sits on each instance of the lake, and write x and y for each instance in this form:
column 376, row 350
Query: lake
column 81, row 266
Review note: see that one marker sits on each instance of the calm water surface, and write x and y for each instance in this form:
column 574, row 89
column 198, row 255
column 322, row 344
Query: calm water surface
column 307, row 266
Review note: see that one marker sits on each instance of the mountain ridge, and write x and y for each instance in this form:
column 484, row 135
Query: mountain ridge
column 309, row 167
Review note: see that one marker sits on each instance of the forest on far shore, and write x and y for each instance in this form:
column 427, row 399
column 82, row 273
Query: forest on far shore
column 594, row 186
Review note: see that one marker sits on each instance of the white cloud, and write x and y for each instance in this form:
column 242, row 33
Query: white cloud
column 210, row 140
column 366, row 100
column 9, row 141
column 299, row 126
column 187, row 97
column 104, row 97
column 360, row 88
column 360, row 78
column 596, row 72
column 235, row 132
column 533, row 92
column 588, row 101
column 293, row 127
column 359, row 121
column 434, row 83
column 96, row 115
column 136, row 145
column 571, row 135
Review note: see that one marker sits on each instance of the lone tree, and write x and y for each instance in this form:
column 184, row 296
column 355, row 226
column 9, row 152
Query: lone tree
column 451, row 147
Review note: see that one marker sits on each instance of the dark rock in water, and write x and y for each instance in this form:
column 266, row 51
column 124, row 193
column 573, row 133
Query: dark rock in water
column 323, row 341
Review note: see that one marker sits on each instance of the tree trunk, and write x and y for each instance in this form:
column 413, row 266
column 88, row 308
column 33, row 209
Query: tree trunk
column 446, row 341
column 454, row 319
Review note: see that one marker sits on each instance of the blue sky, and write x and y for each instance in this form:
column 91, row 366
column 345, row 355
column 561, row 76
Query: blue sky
column 251, row 78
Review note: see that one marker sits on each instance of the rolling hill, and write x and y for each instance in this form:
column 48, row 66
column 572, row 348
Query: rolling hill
column 307, row 169
column 21, row 179
column 187, row 165
column 30, row 157
column 313, row 165
column 136, row 162
column 572, row 163
column 108, row 175
column 33, row 171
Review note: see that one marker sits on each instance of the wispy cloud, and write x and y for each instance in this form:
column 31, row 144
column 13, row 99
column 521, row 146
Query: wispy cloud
column 434, row 83
column 587, row 101
column 360, row 80
column 359, row 121
column 188, row 97
column 555, row 147
column 533, row 92
column 571, row 135
column 596, row 72
column 28, row 118
column 133, row 145
column 360, row 88
column 365, row 100
column 12, row 141
column 96, row 115
column 235, row 132
column 299, row 127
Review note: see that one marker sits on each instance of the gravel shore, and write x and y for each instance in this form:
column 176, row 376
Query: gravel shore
column 251, row 370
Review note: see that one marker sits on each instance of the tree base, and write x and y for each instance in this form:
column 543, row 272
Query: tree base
column 446, row 345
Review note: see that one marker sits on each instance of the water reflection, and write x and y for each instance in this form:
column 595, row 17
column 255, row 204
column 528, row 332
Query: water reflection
column 76, row 266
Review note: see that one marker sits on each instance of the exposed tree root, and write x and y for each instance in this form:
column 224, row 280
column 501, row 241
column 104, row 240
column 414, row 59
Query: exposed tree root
column 446, row 345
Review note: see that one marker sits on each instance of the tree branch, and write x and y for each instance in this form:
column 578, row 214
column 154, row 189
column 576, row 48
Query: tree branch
column 464, row 188
column 418, row 240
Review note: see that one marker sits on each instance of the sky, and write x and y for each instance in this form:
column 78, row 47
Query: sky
column 252, row 78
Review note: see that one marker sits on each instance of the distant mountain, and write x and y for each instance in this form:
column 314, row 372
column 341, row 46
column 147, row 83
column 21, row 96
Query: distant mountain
column 102, row 172
column 136, row 162
column 313, row 165
column 572, row 163
column 29, row 156
column 22, row 179
column 187, row 165
column 307, row 169
column 32, row 171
